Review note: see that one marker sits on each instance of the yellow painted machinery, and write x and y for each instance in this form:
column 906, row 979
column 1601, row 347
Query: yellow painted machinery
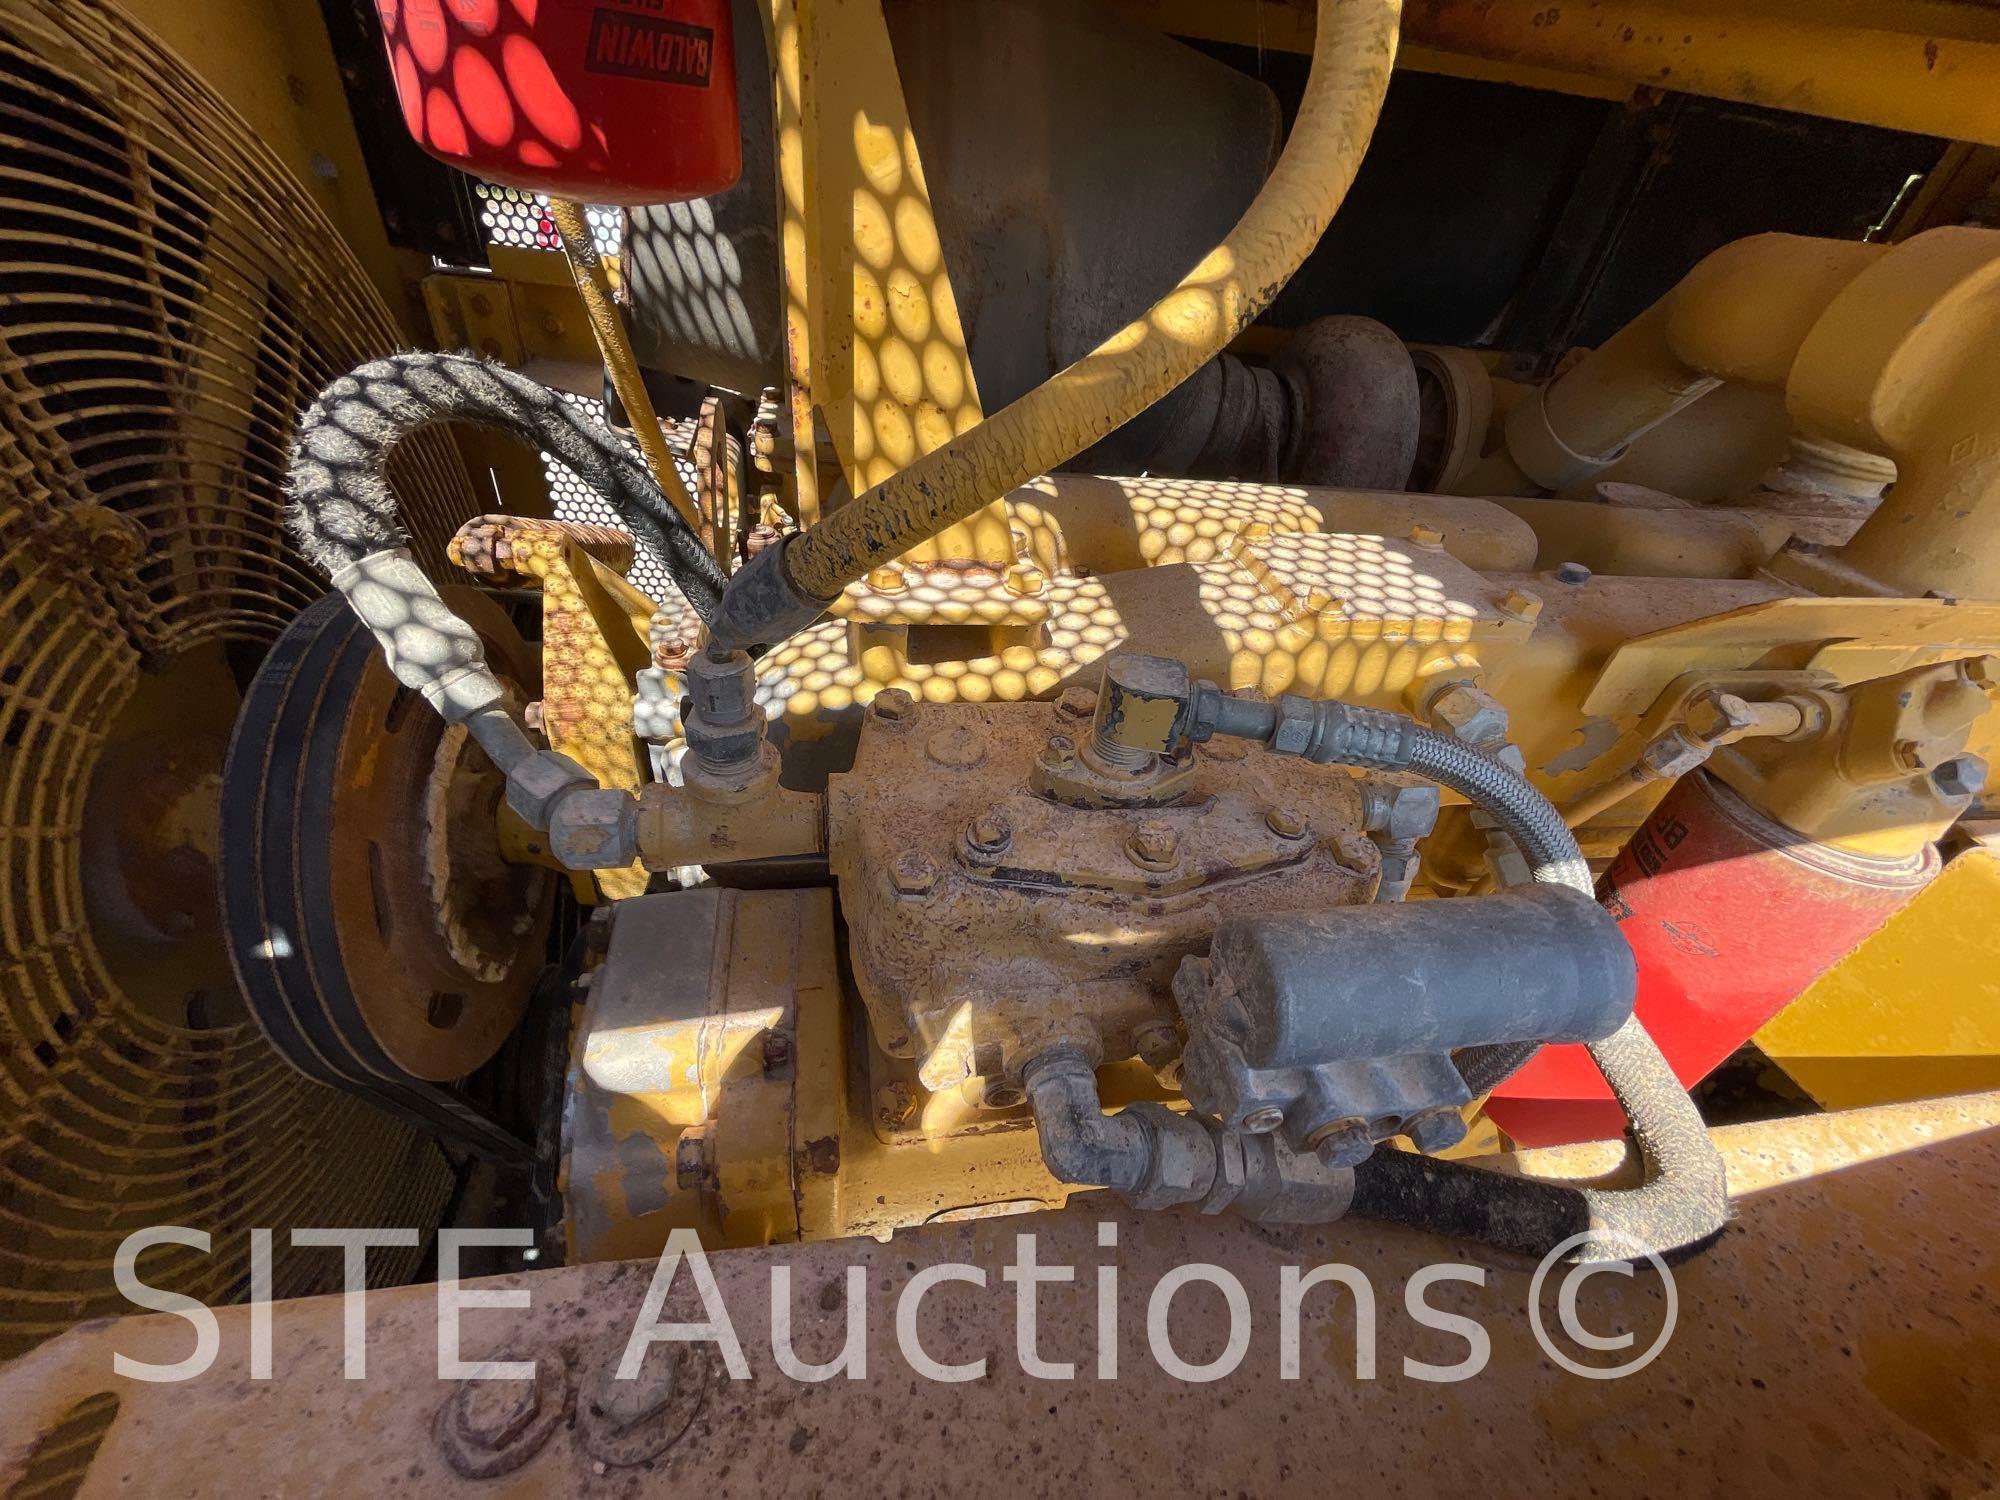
column 1246, row 607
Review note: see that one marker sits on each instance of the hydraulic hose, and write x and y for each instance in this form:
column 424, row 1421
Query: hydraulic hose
column 343, row 510
column 1353, row 52
column 1683, row 1199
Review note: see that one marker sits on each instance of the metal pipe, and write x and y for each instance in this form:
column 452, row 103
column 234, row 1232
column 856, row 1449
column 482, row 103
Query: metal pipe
column 1353, row 54
column 593, row 287
column 1740, row 315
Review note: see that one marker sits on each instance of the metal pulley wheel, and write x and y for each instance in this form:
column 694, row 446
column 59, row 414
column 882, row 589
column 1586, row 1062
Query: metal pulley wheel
column 382, row 942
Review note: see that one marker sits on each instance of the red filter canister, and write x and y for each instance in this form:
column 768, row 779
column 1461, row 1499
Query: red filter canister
column 611, row 101
column 1730, row 915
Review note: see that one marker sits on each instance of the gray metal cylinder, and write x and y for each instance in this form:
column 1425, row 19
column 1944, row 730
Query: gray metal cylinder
column 1543, row 963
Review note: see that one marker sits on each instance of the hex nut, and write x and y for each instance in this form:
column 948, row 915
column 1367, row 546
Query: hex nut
column 534, row 784
column 991, row 832
column 1077, row 702
column 1182, row 1166
column 1293, row 731
column 1712, row 714
column 595, row 828
column 1435, row 1130
column 1961, row 776
column 893, row 704
column 913, row 873
column 1285, row 822
column 1154, row 845
column 1345, row 1143
column 1471, row 713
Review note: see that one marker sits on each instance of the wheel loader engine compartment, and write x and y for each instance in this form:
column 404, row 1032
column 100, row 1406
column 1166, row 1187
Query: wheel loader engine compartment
column 767, row 626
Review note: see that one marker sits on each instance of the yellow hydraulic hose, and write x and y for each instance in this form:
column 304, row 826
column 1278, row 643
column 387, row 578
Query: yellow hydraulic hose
column 1353, row 51
column 594, row 287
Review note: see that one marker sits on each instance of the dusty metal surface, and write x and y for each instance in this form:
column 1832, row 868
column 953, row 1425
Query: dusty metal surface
column 1841, row 1339
column 989, row 921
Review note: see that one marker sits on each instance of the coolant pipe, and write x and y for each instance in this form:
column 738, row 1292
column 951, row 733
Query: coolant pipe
column 1354, row 49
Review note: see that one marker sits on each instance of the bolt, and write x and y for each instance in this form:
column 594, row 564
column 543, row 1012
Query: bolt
column 1522, row 605
column 1961, row 776
column 1714, row 714
column 913, row 874
column 1572, row 573
column 532, row 716
column 1154, row 844
column 1025, row 579
column 990, row 832
column 1058, row 755
column 1982, row 671
column 1426, row 536
column 1910, row 755
column 1435, row 1130
column 895, row 1104
column 887, row 579
column 893, row 704
column 1285, row 823
column 481, row 303
column 1344, row 1143
column 1263, row 1121
column 1077, row 702
column 760, row 536
column 1257, row 531
column 623, row 1404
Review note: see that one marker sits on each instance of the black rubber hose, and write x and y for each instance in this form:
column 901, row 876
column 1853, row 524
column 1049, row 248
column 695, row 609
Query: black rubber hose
column 342, row 506
column 1683, row 1200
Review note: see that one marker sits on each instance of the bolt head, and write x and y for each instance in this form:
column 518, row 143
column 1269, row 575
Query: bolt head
column 1077, row 702
column 893, row 704
column 887, row 579
column 1058, row 755
column 1263, row 1121
column 1345, row 1143
column 1154, row 844
column 913, row 873
column 1572, row 573
column 1435, row 1130
column 1284, row 822
column 1714, row 713
column 1982, row 671
column 1024, row 579
column 990, row 832
column 1426, row 536
column 1960, row 777
column 492, row 1413
column 1522, row 605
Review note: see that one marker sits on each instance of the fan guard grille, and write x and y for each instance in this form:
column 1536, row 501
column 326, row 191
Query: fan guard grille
column 169, row 298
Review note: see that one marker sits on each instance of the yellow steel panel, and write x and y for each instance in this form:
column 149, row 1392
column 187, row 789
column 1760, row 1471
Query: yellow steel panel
column 1914, row 1011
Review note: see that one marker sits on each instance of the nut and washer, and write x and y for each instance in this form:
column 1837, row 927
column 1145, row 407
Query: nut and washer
column 1154, row 845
